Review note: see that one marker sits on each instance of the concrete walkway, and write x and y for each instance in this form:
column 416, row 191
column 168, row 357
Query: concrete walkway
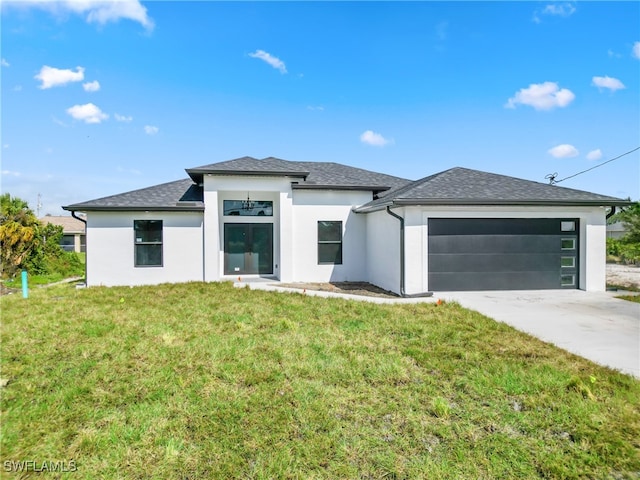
column 594, row 325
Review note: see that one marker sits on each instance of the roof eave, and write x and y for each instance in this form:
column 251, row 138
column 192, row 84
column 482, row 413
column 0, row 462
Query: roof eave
column 409, row 202
column 530, row 202
column 197, row 174
column 150, row 208
column 308, row 186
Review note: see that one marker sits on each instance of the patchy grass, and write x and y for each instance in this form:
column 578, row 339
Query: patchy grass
column 630, row 298
column 209, row 381
column 626, row 288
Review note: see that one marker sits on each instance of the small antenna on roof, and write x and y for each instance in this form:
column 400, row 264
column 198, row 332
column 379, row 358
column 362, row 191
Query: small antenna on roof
column 552, row 178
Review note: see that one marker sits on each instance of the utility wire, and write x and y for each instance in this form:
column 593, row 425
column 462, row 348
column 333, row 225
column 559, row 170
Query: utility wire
column 552, row 176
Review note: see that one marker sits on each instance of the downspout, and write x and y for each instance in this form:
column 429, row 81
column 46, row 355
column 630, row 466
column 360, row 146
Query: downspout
column 402, row 292
column 611, row 213
column 86, row 257
column 204, row 247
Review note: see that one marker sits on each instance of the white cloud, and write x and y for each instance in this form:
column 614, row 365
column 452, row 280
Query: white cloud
column 611, row 83
column 559, row 9
column 542, row 96
column 275, row 62
column 91, row 86
column 11, row 173
column 88, row 113
column 319, row 107
column 95, row 11
column 563, row 151
column 55, row 77
column 4, row 63
column 594, row 154
column 122, row 118
column 375, row 139
column 635, row 51
column 6, row 145
column 58, row 122
column 613, row 54
column 150, row 129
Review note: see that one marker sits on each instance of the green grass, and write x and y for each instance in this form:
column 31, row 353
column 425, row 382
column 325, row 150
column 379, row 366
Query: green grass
column 630, row 298
column 208, row 381
column 34, row 280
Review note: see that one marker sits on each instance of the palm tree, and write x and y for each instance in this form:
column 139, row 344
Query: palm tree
column 18, row 227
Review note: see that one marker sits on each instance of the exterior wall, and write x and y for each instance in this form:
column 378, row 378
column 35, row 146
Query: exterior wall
column 234, row 187
column 383, row 250
column 311, row 206
column 112, row 232
column 591, row 249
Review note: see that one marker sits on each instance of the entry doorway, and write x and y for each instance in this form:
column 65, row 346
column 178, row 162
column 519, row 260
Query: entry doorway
column 248, row 248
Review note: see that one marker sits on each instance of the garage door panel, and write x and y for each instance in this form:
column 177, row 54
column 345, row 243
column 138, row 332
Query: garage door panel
column 494, row 243
column 494, row 281
column 502, row 254
column 494, row 226
column 515, row 262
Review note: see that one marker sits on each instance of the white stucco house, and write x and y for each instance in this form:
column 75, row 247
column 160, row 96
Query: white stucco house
column 460, row 229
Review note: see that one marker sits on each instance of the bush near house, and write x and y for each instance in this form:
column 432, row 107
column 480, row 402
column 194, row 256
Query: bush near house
column 26, row 243
column 626, row 249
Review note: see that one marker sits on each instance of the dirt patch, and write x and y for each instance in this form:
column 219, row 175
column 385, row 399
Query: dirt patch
column 6, row 290
column 623, row 275
column 627, row 276
column 349, row 288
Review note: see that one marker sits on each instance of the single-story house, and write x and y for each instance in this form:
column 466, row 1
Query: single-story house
column 459, row 229
column 73, row 231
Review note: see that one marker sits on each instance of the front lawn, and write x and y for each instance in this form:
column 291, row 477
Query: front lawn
column 209, row 381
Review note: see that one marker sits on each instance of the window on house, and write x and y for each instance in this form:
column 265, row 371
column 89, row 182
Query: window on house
column 148, row 243
column 329, row 243
column 247, row 208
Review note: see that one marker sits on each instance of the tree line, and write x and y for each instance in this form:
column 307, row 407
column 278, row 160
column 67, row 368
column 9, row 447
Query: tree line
column 27, row 243
column 627, row 248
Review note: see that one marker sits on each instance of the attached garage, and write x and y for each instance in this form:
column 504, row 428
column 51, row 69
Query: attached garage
column 502, row 253
column 466, row 230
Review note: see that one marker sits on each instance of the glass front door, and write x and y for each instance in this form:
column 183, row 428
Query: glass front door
column 248, row 248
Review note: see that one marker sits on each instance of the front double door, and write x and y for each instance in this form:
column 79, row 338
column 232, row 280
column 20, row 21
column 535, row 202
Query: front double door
column 248, row 248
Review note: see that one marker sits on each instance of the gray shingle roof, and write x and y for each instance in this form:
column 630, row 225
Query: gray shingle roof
column 250, row 166
column 181, row 195
column 310, row 175
column 463, row 186
column 456, row 186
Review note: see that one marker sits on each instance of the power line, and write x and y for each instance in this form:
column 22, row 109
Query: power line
column 552, row 176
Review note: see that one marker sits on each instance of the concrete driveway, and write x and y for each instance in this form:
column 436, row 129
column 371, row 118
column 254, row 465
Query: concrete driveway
column 596, row 326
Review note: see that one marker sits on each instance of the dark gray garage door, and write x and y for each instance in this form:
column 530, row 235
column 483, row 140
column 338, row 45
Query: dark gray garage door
column 502, row 254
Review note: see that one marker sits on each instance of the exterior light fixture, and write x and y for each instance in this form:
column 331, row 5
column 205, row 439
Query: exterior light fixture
column 248, row 204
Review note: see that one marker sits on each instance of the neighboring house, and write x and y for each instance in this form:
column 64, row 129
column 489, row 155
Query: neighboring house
column 73, row 232
column 616, row 230
column 460, row 229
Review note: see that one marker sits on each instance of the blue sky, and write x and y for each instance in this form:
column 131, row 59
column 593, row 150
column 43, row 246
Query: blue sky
column 104, row 97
